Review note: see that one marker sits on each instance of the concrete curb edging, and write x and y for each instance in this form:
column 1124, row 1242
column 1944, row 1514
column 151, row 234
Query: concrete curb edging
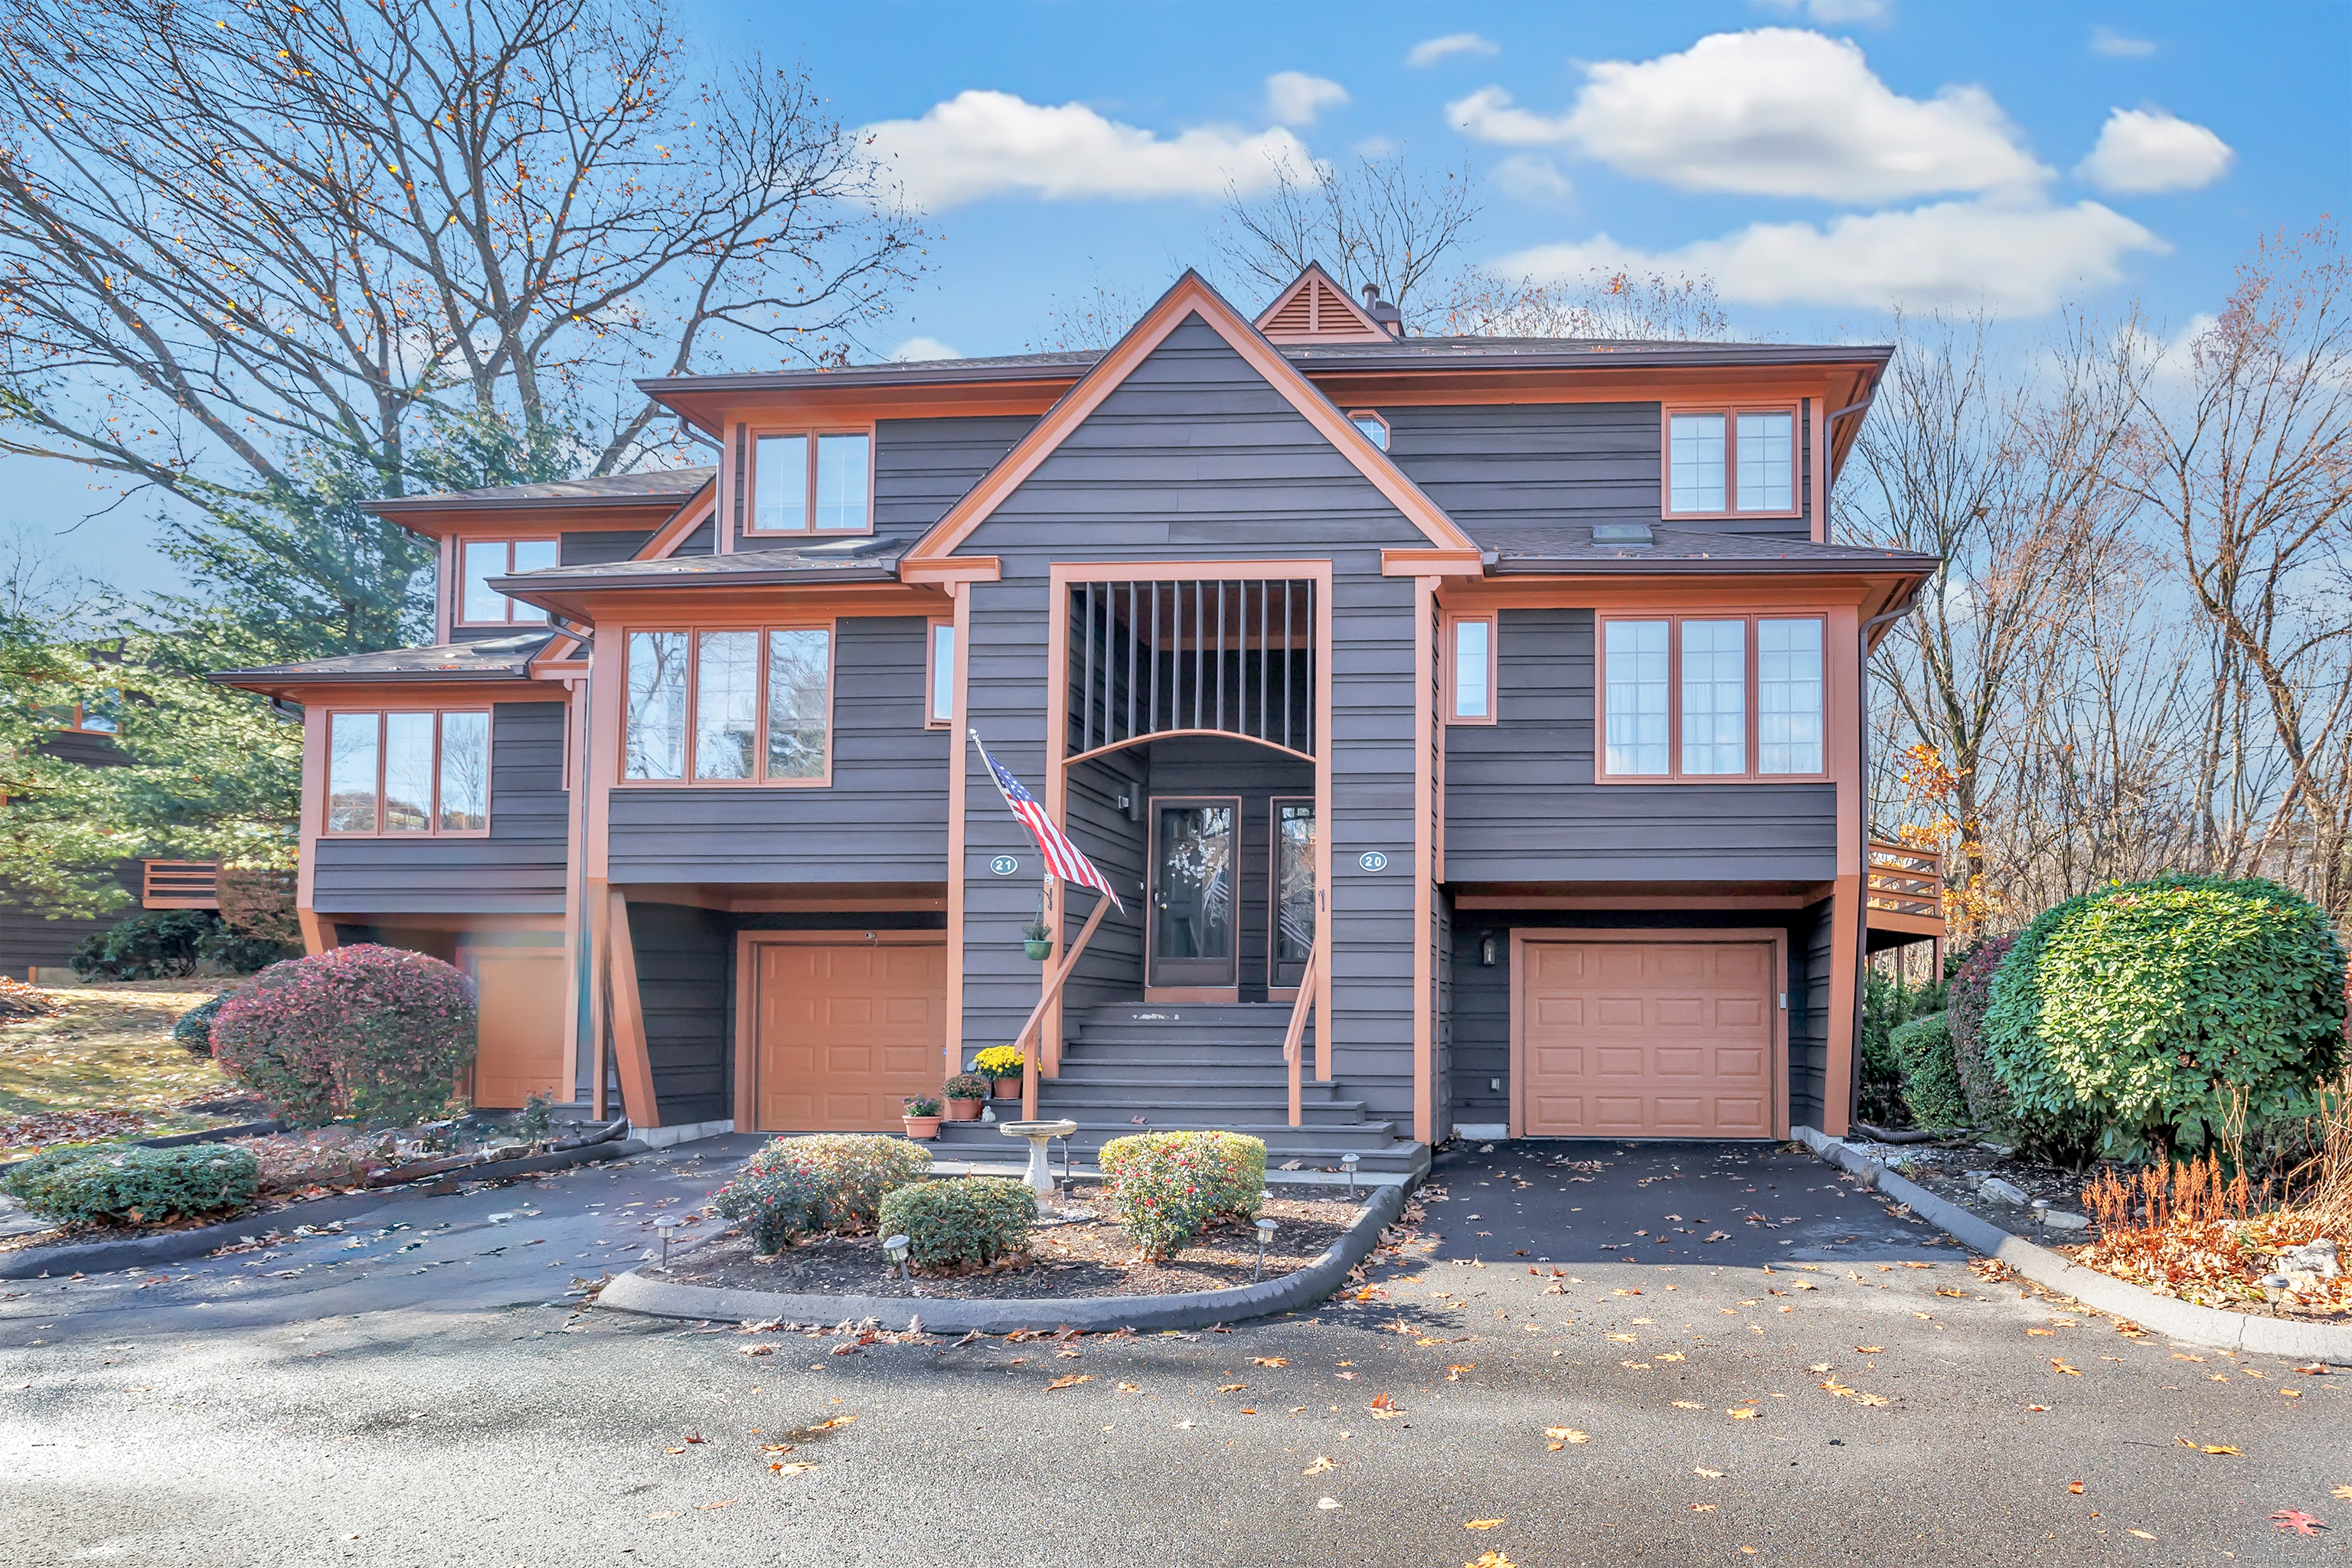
column 2175, row 1318
column 635, row 1292
column 178, row 1246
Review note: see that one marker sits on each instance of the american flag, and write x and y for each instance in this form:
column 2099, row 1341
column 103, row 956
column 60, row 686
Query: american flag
column 1062, row 857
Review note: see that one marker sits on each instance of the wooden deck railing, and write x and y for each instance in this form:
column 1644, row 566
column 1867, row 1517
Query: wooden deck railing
column 1907, row 881
column 1294, row 1040
column 180, row 884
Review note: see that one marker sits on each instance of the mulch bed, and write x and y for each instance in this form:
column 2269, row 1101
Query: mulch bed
column 1087, row 1259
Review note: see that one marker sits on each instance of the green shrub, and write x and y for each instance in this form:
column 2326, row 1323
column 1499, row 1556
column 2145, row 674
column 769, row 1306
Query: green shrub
column 1931, row 1086
column 377, row 1033
column 1887, row 1004
column 1164, row 1188
column 831, row 1181
column 2146, row 1015
column 1971, row 993
column 227, row 952
column 193, row 1030
column 972, row 1219
column 157, row 945
column 135, row 1184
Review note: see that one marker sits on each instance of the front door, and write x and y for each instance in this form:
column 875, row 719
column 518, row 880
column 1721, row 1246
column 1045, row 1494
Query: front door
column 1193, row 951
column 1292, row 895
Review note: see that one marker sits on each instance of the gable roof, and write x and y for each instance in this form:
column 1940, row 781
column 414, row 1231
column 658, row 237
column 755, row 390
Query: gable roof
column 1314, row 308
column 1191, row 296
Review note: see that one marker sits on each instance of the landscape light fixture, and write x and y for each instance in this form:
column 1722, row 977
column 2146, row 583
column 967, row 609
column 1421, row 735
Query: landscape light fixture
column 895, row 1248
column 666, row 1224
column 1264, row 1235
column 1348, row 1164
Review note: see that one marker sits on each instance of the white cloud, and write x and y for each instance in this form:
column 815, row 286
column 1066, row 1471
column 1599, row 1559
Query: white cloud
column 915, row 349
column 981, row 144
column 2108, row 44
column 1775, row 111
column 2013, row 259
column 1294, row 98
column 1832, row 12
column 1429, row 51
column 1533, row 178
column 2145, row 150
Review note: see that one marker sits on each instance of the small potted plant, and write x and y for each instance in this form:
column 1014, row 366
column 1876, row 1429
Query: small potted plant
column 1002, row 1065
column 921, row 1116
column 1037, row 941
column 964, row 1092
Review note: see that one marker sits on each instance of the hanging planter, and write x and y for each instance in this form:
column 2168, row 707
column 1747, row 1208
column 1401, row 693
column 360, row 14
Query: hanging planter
column 1037, row 941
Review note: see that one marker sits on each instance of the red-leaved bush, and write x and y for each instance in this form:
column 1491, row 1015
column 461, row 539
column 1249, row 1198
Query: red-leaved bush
column 372, row 1032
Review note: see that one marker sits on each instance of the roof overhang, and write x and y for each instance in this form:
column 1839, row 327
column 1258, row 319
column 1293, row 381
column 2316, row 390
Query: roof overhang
column 441, row 517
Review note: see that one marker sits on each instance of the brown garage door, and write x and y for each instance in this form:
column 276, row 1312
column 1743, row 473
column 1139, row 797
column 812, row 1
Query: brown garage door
column 522, row 1029
column 845, row 1031
column 1647, row 1039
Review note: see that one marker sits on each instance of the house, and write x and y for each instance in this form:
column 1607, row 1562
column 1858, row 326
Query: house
column 1473, row 730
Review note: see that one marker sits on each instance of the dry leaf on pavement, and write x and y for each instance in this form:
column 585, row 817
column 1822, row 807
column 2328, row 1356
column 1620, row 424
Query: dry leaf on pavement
column 1870, row 1349
column 1384, row 1407
column 1231, row 1387
column 2294, row 1518
column 1070, row 1382
column 1480, row 1524
column 1322, row 1463
column 2143, row 1534
column 1688, row 1405
column 1710, row 1475
column 1268, row 1361
column 1742, row 1415
column 1327, row 1502
column 2062, row 1366
column 798, row 1467
column 2075, row 1487
column 2208, row 1447
column 1491, row 1559
column 2343, row 1492
column 1703, row 1508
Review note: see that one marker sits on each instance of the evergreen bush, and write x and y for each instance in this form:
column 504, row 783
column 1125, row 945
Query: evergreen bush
column 830, row 1181
column 1165, row 1188
column 377, row 1033
column 135, row 1185
column 193, row 1030
column 158, row 945
column 973, row 1220
column 1922, row 1050
column 2163, row 1014
column 1971, row 993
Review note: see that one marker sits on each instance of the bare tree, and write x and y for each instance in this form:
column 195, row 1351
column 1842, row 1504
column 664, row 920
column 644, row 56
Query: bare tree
column 1375, row 221
column 1094, row 315
column 233, row 237
column 1603, row 302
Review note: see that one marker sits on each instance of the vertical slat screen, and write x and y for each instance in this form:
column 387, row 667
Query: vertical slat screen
column 1149, row 659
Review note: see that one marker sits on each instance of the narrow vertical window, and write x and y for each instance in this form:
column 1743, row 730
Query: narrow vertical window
column 485, row 559
column 657, row 715
column 841, row 474
column 1695, row 463
column 1788, row 696
column 1634, row 654
column 352, row 757
column 1715, row 696
column 1473, row 650
column 407, row 772
column 798, row 684
column 942, row 709
column 1766, row 444
column 780, row 484
column 726, row 705
column 464, row 772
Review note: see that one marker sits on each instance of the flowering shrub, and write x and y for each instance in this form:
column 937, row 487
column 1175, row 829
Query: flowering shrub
column 372, row 1032
column 1164, row 1188
column 136, row 1186
column 972, row 1219
column 965, row 1086
column 1971, row 994
column 831, row 1181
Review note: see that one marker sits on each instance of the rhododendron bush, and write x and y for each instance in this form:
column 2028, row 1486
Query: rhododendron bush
column 376, row 1033
column 1165, row 1188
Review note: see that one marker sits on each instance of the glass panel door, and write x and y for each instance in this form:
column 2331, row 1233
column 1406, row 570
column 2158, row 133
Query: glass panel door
column 1294, row 893
column 1192, row 845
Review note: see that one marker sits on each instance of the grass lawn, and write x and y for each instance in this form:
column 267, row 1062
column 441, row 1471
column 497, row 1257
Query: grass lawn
column 110, row 1048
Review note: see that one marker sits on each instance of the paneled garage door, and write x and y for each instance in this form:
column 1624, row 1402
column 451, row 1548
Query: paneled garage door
column 1646, row 1039
column 844, row 1032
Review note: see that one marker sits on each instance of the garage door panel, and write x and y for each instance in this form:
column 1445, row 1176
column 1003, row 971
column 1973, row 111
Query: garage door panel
column 846, row 1032
column 1662, row 1039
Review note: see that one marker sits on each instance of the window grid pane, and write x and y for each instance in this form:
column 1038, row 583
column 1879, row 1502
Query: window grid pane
column 780, row 483
column 798, row 664
column 726, row 705
column 484, row 561
column 1789, row 697
column 657, row 717
column 840, row 482
column 464, row 772
column 1470, row 694
column 407, row 772
column 1767, row 470
column 1715, row 696
column 350, row 771
column 1635, row 655
column 943, row 673
column 1694, row 462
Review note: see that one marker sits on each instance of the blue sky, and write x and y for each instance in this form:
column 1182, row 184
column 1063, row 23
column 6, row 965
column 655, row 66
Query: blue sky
column 1820, row 159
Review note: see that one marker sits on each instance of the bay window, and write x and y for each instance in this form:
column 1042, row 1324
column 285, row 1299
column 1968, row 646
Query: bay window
column 1700, row 697
column 480, row 560
column 1731, row 462
column 410, row 772
column 729, row 705
column 811, row 482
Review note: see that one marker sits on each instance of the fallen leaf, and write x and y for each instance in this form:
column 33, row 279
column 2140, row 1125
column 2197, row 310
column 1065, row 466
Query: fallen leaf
column 1566, row 1435
column 1384, row 1408
column 1480, row 1524
column 2178, row 1355
column 1231, row 1387
column 2062, row 1366
column 2343, row 1492
column 1703, row 1508
column 1688, row 1405
column 2075, row 1487
column 798, row 1467
column 2208, row 1447
column 1070, row 1382
column 2037, row 1407
column 1491, row 1559
column 1326, row 1502
column 1819, row 1366
column 673, row 1450
column 1129, row 1388
column 1669, row 1355
column 2294, row 1518
column 2316, row 1369
column 1268, row 1361
column 1742, row 1415
column 1948, row 1290
column 1710, row 1475
column 1322, row 1463
column 2143, row 1534
column 1869, row 1350
column 722, row 1502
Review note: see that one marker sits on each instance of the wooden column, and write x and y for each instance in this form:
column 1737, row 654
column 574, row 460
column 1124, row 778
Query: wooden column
column 629, row 1054
column 959, row 746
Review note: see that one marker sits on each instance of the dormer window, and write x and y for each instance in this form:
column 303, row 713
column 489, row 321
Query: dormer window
column 805, row 482
column 478, row 604
column 1731, row 462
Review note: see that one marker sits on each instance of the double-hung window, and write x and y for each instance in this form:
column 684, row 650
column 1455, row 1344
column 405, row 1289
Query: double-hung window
column 1712, row 697
column 729, row 705
column 410, row 772
column 804, row 482
column 480, row 560
column 1731, row 462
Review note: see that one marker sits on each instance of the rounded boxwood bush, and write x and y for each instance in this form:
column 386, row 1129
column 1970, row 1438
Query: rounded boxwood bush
column 2136, row 1015
column 1922, row 1050
column 193, row 1030
column 135, row 1185
column 829, row 1181
column 969, row 1219
column 377, row 1033
column 1164, row 1188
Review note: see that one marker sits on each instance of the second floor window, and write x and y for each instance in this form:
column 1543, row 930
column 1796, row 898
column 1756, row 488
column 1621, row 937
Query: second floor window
column 1703, row 697
column 478, row 604
column 1724, row 462
column 730, row 706
column 404, row 772
column 816, row 483
column 939, row 706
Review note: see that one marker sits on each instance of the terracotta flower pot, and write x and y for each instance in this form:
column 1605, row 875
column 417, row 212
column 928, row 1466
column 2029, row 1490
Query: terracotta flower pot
column 922, row 1126
column 963, row 1110
column 1006, row 1087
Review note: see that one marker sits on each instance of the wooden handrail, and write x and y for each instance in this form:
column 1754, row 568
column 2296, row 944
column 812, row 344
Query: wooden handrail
column 1294, row 1039
column 1907, row 881
column 1053, row 990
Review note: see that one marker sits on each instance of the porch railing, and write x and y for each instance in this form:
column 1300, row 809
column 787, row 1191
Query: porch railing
column 180, row 884
column 1294, row 1040
column 1905, row 881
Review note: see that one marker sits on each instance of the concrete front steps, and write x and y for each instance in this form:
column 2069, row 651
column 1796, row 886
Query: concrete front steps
column 1160, row 1067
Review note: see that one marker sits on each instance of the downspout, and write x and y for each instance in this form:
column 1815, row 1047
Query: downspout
column 1861, row 787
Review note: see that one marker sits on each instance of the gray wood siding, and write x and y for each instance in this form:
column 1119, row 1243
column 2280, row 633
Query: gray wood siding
column 1808, row 1016
column 1111, row 968
column 882, row 819
column 517, row 870
column 1521, row 805
column 1196, row 456
column 921, row 468
column 685, row 964
column 1545, row 465
column 30, row 934
column 602, row 546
